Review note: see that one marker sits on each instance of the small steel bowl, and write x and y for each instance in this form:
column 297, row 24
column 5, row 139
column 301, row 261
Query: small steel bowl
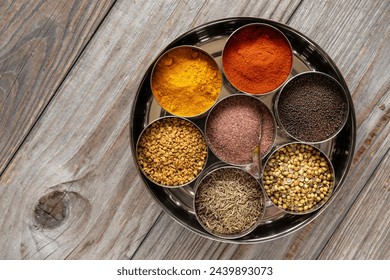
column 223, row 101
column 167, row 55
column 309, row 79
column 289, row 185
column 147, row 175
column 234, row 37
column 220, row 169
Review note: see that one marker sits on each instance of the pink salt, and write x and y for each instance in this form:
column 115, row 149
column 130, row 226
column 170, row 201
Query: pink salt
column 233, row 129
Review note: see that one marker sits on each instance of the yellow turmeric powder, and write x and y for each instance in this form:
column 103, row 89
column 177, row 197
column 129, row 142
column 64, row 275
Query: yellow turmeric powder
column 186, row 82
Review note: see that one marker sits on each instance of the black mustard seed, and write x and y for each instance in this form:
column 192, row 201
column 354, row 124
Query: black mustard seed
column 311, row 107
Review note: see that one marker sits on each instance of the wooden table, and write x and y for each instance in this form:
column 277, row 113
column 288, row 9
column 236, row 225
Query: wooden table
column 69, row 71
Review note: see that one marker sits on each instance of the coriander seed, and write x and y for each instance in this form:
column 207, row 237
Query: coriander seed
column 302, row 190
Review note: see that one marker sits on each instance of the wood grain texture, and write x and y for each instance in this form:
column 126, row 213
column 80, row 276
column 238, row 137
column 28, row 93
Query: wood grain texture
column 72, row 189
column 357, row 42
column 39, row 42
column 80, row 147
column 364, row 233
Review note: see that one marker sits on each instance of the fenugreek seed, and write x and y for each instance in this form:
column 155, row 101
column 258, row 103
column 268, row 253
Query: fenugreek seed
column 169, row 146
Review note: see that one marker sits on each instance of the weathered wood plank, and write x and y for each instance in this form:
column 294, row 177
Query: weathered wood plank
column 169, row 240
column 364, row 233
column 78, row 155
column 277, row 10
column 345, row 30
column 39, row 42
column 358, row 43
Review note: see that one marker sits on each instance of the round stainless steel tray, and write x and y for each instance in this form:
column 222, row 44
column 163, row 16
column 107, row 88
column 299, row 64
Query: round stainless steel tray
column 308, row 56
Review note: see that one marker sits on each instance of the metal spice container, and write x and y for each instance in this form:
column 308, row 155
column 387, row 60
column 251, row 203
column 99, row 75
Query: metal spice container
column 186, row 81
column 257, row 59
column 229, row 202
column 171, row 152
column 233, row 127
column 298, row 178
column 311, row 107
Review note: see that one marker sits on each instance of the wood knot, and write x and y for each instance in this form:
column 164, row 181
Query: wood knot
column 52, row 209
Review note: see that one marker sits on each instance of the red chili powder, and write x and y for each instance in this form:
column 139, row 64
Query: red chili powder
column 257, row 59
